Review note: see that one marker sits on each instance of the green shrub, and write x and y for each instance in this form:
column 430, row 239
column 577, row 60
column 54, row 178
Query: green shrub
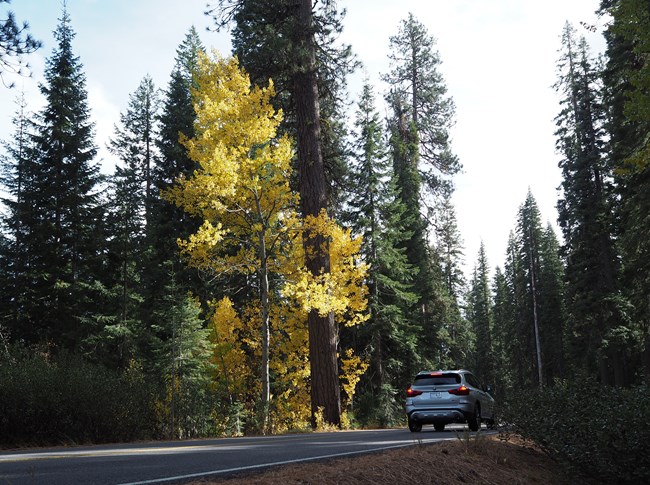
column 383, row 409
column 71, row 401
column 599, row 431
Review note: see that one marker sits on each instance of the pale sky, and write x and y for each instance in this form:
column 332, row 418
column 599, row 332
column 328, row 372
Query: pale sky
column 498, row 60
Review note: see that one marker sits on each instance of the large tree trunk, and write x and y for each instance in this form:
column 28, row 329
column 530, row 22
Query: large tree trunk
column 325, row 394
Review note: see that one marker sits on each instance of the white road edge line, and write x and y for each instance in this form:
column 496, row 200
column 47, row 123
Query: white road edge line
column 276, row 463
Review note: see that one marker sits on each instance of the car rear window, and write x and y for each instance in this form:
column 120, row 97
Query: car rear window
column 436, row 379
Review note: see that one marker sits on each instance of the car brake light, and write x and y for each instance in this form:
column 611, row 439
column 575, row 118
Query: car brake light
column 461, row 391
column 410, row 392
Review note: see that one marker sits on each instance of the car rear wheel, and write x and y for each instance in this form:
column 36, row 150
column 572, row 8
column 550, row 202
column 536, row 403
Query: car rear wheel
column 474, row 421
column 415, row 427
column 439, row 427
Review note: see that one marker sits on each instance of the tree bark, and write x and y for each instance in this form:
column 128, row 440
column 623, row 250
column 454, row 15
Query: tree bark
column 325, row 393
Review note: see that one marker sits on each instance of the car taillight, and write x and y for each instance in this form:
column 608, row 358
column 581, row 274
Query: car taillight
column 461, row 391
column 410, row 392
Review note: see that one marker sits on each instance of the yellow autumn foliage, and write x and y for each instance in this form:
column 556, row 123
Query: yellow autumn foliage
column 228, row 357
column 241, row 192
column 241, row 188
column 352, row 368
column 342, row 290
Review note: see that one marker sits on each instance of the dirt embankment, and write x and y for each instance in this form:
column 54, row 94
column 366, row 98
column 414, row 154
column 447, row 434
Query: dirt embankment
column 487, row 460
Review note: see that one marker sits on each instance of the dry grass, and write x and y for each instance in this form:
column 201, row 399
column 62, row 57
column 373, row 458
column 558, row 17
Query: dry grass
column 464, row 461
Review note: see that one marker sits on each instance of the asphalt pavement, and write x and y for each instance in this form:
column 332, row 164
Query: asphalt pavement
column 184, row 461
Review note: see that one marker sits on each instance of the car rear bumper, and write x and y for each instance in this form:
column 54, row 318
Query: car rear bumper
column 433, row 416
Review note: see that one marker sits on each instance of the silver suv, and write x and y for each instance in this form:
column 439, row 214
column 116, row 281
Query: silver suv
column 448, row 396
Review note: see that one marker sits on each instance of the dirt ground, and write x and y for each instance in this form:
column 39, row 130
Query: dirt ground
column 486, row 460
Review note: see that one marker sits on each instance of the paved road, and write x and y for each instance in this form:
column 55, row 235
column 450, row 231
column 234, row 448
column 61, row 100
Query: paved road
column 167, row 462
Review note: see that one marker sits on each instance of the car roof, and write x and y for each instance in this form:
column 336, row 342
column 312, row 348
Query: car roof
column 444, row 371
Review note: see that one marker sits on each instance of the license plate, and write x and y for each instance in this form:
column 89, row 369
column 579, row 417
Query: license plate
column 435, row 395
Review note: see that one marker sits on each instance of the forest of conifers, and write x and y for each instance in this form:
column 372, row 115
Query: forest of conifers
column 257, row 263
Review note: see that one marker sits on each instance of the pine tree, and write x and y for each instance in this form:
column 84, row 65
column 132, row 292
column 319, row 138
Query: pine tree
column 449, row 246
column 553, row 317
column 423, row 164
column 63, row 245
column 176, row 121
column 129, row 209
column 479, row 313
column 15, row 42
column 596, row 311
column 529, row 234
column 626, row 79
column 134, row 141
column 530, row 326
column 405, row 156
column 168, row 223
column 375, row 212
column 503, row 318
column 415, row 79
column 183, row 362
column 455, row 334
column 117, row 344
column 15, row 178
column 517, row 341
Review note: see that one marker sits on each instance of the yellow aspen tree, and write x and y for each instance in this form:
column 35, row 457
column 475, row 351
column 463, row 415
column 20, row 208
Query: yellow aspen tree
column 251, row 226
column 228, row 357
column 241, row 188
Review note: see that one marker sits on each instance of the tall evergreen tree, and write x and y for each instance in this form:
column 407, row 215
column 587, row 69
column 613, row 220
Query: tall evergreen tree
column 455, row 334
column 503, row 321
column 531, row 323
column 599, row 344
column 626, row 79
column 15, row 178
column 182, row 360
column 405, row 156
column 375, row 211
column 529, row 234
column 325, row 392
column 553, row 316
column 129, row 210
column 479, row 313
column 517, row 342
column 423, row 162
column 134, row 140
column 63, row 245
column 176, row 121
column 416, row 80
column 117, row 342
column 449, row 246
column 168, row 222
